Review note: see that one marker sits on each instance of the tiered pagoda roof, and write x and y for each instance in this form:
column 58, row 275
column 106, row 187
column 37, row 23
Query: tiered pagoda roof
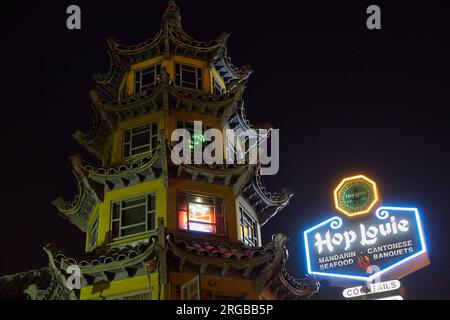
column 170, row 39
column 264, row 266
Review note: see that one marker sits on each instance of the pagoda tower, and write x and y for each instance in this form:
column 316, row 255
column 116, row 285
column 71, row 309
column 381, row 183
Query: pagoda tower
column 157, row 230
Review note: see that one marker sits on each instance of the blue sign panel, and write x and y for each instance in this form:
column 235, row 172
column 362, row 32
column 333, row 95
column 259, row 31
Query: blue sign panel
column 367, row 247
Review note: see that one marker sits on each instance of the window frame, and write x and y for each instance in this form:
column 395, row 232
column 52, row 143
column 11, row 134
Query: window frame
column 148, row 292
column 131, row 134
column 185, row 289
column 199, row 80
column 145, row 223
column 216, row 200
column 245, row 217
column 157, row 71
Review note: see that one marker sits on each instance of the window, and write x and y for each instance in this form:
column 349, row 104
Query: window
column 191, row 289
column 133, row 216
column 188, row 77
column 134, row 296
column 200, row 214
column 249, row 229
column 145, row 79
column 217, row 89
column 140, row 140
column 93, row 233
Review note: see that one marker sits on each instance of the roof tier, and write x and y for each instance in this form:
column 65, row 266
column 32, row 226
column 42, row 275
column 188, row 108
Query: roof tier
column 170, row 39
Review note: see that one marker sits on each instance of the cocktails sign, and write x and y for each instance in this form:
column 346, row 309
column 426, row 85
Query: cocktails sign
column 385, row 243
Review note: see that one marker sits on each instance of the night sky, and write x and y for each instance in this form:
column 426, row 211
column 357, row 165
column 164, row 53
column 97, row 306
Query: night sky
column 346, row 100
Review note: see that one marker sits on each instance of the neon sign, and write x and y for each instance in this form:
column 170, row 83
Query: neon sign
column 367, row 248
column 355, row 196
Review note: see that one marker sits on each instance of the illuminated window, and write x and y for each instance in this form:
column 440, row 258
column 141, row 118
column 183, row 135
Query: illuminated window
column 188, row 77
column 249, row 229
column 93, row 234
column 145, row 79
column 133, row 216
column 200, row 214
column 140, row 140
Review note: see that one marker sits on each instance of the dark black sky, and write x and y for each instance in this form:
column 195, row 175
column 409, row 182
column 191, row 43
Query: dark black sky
column 347, row 100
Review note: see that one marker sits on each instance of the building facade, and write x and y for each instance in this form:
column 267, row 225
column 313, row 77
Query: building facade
column 156, row 229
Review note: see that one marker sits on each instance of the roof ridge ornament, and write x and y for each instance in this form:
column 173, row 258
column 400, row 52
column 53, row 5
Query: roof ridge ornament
column 172, row 15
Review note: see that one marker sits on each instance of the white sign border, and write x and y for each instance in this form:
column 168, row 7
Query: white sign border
column 377, row 274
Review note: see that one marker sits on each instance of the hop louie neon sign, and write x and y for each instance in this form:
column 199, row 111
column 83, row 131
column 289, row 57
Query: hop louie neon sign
column 389, row 242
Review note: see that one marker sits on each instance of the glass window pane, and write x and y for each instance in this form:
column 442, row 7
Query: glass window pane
column 134, row 230
column 151, row 222
column 188, row 68
column 182, row 220
column 151, row 205
column 116, row 211
column 154, row 128
column 127, row 136
column 201, row 213
column 141, row 139
column 199, row 227
column 148, row 78
column 141, row 129
column 133, row 216
column 126, row 150
column 154, row 143
column 189, row 77
column 133, row 202
column 115, row 230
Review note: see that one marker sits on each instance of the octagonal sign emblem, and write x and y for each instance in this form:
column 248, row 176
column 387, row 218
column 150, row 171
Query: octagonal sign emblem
column 356, row 196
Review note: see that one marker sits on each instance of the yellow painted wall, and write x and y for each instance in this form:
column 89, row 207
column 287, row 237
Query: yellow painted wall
column 118, row 137
column 156, row 186
column 165, row 207
column 138, row 66
column 124, row 287
column 169, row 64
